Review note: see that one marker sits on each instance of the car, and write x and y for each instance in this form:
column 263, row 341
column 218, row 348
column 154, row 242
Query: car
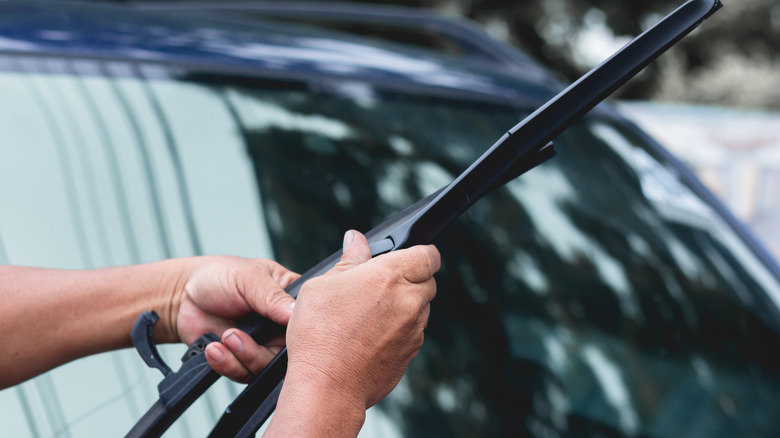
column 604, row 293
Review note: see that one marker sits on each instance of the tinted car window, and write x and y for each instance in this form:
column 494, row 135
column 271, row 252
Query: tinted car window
column 597, row 295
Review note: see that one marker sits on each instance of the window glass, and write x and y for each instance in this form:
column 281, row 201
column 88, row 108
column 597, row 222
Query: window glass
column 594, row 296
column 597, row 294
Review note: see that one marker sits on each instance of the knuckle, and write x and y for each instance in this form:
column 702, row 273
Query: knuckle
column 312, row 284
column 409, row 309
column 273, row 297
column 420, row 342
column 430, row 289
column 414, row 303
column 420, row 263
column 244, row 377
column 428, row 257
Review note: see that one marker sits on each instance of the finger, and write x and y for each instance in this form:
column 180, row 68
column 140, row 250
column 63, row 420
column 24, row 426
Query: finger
column 425, row 313
column 276, row 344
column 280, row 274
column 252, row 356
column 418, row 263
column 287, row 278
column 222, row 361
column 274, row 303
column 355, row 251
column 428, row 289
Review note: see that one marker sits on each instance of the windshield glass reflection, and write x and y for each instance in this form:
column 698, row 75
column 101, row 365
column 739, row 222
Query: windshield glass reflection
column 597, row 295
column 594, row 294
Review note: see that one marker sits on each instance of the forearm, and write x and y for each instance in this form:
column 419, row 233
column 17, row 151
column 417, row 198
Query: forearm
column 56, row 316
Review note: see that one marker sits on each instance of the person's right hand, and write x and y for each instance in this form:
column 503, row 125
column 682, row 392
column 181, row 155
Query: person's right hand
column 354, row 329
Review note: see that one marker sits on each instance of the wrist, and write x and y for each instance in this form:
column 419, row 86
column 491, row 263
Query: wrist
column 313, row 405
column 173, row 276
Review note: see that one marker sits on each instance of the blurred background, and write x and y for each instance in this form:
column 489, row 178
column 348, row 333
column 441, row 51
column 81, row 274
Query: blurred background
column 713, row 99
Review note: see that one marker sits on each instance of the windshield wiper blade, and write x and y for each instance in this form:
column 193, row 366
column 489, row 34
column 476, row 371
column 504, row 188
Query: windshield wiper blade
column 523, row 147
column 246, row 414
column 178, row 390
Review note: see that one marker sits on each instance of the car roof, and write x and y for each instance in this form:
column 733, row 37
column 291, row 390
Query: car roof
column 428, row 28
column 219, row 40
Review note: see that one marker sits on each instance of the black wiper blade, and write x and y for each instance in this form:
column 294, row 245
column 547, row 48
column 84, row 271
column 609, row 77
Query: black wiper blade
column 246, row 414
column 523, row 147
column 180, row 389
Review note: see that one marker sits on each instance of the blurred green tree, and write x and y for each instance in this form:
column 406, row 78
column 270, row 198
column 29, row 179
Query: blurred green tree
column 733, row 60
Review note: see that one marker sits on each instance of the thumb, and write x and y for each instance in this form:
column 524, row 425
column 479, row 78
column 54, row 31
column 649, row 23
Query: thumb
column 354, row 252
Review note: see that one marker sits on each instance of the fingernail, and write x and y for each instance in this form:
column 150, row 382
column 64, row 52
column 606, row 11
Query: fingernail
column 292, row 305
column 215, row 354
column 349, row 236
column 234, row 343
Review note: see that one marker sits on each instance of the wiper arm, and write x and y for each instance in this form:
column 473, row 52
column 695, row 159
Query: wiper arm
column 245, row 415
column 178, row 390
column 523, row 147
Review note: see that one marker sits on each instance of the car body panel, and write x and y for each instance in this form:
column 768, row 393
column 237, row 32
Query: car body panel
column 133, row 34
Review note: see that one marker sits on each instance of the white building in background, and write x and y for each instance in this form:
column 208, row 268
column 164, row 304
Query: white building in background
column 735, row 153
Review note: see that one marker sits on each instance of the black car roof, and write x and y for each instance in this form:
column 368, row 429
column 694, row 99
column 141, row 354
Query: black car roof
column 217, row 39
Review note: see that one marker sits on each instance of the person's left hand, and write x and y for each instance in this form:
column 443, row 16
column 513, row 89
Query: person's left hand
column 221, row 289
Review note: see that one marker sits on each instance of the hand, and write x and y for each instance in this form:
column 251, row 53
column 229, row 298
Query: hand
column 220, row 290
column 94, row 310
column 351, row 336
column 355, row 328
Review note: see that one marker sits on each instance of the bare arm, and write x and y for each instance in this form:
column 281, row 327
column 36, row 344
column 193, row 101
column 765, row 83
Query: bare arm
column 54, row 316
column 351, row 336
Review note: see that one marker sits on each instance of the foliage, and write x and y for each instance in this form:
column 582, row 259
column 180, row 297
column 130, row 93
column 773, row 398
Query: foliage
column 731, row 60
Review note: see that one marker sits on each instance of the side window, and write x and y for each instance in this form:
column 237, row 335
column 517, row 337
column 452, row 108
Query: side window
column 100, row 166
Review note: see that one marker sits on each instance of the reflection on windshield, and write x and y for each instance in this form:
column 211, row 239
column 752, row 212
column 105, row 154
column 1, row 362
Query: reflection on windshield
column 587, row 296
column 595, row 296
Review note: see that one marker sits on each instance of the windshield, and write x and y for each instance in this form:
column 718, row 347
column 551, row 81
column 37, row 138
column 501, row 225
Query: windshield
column 596, row 295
